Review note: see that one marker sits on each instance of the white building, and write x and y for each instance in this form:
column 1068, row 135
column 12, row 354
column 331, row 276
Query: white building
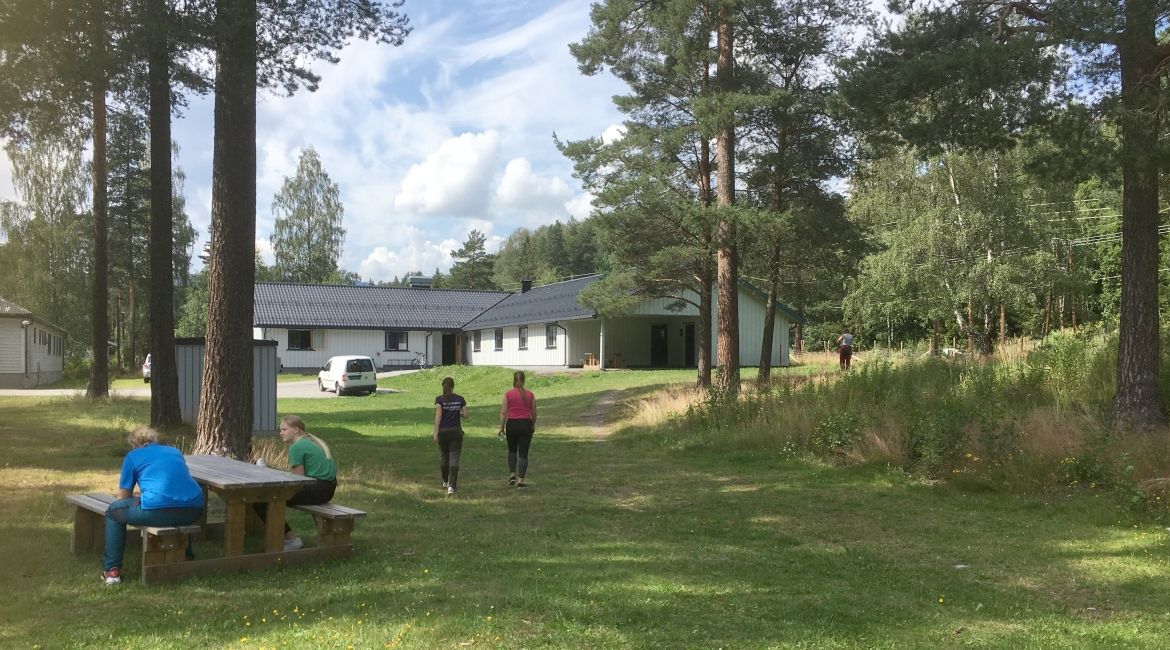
column 32, row 350
column 547, row 326
column 396, row 327
column 541, row 326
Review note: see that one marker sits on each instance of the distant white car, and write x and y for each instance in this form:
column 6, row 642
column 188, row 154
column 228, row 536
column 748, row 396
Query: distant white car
column 146, row 369
column 348, row 374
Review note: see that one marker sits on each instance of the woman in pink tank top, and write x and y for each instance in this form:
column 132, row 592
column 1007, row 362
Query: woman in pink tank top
column 518, row 422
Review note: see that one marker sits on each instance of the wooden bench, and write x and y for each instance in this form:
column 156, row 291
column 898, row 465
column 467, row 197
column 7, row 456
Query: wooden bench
column 161, row 545
column 334, row 523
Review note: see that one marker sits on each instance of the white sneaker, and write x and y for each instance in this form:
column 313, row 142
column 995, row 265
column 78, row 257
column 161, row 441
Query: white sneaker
column 446, row 484
column 112, row 577
column 450, row 490
column 293, row 544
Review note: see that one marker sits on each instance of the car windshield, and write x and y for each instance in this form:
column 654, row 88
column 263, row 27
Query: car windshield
column 359, row 365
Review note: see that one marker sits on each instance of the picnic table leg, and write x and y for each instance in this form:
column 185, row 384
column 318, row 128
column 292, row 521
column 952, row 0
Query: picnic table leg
column 233, row 530
column 274, row 527
column 206, row 505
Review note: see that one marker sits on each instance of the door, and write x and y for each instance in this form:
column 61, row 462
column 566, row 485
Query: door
column 449, row 349
column 658, row 345
column 689, row 345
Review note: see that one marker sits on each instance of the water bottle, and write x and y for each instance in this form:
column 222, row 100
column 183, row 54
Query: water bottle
column 261, row 462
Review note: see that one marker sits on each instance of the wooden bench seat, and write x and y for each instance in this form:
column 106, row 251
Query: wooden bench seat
column 334, row 522
column 161, row 545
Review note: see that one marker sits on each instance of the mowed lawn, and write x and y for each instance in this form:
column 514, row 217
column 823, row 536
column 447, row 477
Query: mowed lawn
column 616, row 544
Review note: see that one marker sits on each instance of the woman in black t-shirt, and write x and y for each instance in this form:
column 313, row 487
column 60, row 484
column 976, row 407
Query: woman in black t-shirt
column 450, row 409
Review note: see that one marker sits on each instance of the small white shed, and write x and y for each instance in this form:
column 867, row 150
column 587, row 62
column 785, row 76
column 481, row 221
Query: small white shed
column 265, row 366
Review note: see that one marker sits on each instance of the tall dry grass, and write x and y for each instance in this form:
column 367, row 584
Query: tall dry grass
column 1034, row 417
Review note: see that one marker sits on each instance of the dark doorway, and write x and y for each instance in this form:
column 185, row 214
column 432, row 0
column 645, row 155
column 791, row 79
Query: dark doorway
column 689, row 345
column 449, row 349
column 658, row 345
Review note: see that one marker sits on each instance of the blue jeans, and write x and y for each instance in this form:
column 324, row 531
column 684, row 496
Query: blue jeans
column 129, row 511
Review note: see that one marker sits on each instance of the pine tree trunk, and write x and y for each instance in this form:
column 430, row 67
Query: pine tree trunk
column 132, row 329
column 164, row 378
column 1138, row 399
column 769, row 319
column 99, row 369
column 224, row 424
column 706, row 277
column 703, row 327
column 727, row 261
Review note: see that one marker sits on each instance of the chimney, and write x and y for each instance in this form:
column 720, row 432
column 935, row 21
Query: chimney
column 525, row 286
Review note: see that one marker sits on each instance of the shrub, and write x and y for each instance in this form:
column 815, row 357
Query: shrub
column 836, row 434
column 936, row 440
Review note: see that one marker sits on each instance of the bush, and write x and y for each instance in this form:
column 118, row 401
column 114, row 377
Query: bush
column 936, row 440
column 836, row 434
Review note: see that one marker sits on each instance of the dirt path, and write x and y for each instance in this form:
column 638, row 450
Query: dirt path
column 600, row 417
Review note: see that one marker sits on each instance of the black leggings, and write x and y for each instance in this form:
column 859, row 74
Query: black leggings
column 519, row 434
column 313, row 494
column 450, row 444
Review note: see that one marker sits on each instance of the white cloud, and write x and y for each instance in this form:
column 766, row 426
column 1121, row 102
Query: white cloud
column 613, row 133
column 522, row 189
column 453, row 180
column 7, row 191
column 264, row 247
column 415, row 252
column 581, row 206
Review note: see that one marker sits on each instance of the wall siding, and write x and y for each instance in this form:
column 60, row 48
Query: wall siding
column 45, row 367
column 11, row 347
column 537, row 353
column 189, row 363
column 45, row 362
column 368, row 343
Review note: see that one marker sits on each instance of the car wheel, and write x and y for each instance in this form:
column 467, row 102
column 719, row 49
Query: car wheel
column 372, row 391
column 320, row 384
column 146, row 380
column 337, row 389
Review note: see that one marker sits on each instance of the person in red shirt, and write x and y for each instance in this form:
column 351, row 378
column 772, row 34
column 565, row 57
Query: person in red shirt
column 518, row 422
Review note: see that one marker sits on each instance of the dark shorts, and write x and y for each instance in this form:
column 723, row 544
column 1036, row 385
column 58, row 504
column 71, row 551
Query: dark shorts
column 846, row 352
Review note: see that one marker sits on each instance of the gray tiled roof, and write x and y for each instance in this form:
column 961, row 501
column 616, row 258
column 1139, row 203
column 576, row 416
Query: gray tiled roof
column 551, row 302
column 12, row 309
column 365, row 307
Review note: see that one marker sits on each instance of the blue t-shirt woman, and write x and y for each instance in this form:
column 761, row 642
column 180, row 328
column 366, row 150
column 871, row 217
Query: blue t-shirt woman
column 168, row 496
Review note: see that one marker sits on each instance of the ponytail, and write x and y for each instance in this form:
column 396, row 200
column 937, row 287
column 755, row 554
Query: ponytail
column 518, row 384
column 448, row 388
column 320, row 443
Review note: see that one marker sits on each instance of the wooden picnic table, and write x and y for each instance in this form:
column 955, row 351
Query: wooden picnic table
column 242, row 485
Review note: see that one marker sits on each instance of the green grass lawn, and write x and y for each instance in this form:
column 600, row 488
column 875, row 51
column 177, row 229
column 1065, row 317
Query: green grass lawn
column 616, row 544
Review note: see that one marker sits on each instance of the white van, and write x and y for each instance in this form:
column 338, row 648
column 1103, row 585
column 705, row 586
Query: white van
column 348, row 374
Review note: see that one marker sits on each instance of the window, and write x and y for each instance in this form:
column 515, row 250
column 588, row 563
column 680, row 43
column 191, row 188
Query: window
column 396, row 341
column 475, row 341
column 359, row 365
column 550, row 337
column 300, row 339
column 522, row 334
column 499, row 338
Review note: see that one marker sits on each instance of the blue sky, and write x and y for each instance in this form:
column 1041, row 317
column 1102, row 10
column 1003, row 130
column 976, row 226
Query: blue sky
column 450, row 132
